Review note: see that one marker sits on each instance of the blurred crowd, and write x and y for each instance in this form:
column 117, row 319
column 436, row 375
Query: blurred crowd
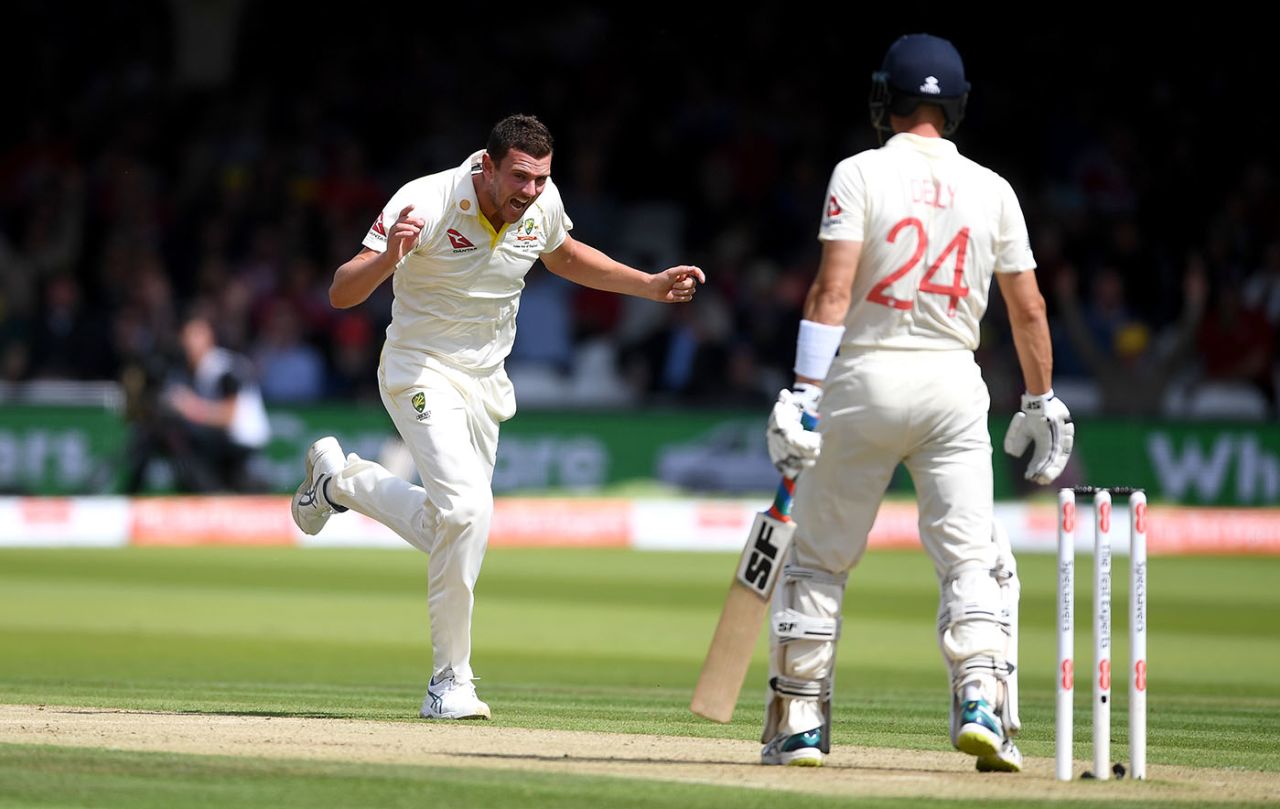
column 167, row 155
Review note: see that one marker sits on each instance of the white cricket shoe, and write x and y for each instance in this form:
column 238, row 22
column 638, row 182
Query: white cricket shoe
column 311, row 506
column 450, row 698
column 1007, row 759
column 981, row 734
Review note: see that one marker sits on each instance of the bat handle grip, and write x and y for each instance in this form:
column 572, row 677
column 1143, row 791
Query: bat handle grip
column 781, row 508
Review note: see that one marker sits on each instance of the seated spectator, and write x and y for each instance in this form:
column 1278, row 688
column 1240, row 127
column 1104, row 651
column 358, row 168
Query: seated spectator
column 544, row 324
column 209, row 421
column 355, row 351
column 1236, row 344
column 685, row 358
column 70, row 339
column 291, row 370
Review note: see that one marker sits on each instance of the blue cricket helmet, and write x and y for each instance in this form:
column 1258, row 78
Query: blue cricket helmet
column 919, row 69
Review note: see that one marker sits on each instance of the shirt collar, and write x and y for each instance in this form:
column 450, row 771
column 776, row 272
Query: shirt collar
column 932, row 146
column 464, row 190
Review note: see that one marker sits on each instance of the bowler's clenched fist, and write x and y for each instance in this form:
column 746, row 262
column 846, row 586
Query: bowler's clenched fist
column 402, row 238
column 677, row 284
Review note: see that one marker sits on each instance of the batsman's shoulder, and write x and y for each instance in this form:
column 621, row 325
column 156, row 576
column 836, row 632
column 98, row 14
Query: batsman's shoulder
column 860, row 160
column 995, row 180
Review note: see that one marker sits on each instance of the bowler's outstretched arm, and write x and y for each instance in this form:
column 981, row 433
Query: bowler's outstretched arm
column 585, row 265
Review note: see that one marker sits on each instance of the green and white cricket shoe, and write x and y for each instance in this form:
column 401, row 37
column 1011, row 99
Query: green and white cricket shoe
column 451, row 698
column 980, row 733
column 311, row 507
column 1007, row 759
column 796, row 750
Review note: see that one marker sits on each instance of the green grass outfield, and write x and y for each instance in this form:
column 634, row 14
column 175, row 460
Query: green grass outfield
column 593, row 640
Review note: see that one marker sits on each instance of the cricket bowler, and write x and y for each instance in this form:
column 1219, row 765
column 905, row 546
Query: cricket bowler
column 457, row 245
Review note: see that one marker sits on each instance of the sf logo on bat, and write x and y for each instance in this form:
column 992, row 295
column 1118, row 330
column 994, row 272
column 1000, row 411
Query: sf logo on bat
column 760, row 564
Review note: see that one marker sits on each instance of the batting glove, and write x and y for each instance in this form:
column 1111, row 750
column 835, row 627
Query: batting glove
column 1046, row 421
column 793, row 447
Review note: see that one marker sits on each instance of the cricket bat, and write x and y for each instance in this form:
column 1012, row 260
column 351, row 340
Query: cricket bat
column 729, row 656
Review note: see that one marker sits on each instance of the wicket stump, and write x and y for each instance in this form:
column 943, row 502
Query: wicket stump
column 1101, row 672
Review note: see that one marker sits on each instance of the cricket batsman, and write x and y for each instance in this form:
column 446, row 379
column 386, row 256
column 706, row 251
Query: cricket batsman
column 912, row 233
column 457, row 245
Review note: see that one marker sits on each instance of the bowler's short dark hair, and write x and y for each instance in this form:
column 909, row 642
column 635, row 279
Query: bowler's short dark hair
column 523, row 132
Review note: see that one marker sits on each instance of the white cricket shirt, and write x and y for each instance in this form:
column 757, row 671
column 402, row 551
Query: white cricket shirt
column 934, row 226
column 458, row 291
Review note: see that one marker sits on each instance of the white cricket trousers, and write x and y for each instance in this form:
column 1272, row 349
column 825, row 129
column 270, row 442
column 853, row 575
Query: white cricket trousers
column 927, row 410
column 451, row 430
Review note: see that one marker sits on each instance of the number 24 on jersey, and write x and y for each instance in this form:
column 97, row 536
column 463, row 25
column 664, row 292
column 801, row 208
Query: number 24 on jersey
column 959, row 246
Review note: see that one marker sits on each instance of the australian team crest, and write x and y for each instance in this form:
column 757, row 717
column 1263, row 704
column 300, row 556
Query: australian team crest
column 419, row 402
column 526, row 239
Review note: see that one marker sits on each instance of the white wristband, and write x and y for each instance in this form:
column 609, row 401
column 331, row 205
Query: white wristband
column 816, row 347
